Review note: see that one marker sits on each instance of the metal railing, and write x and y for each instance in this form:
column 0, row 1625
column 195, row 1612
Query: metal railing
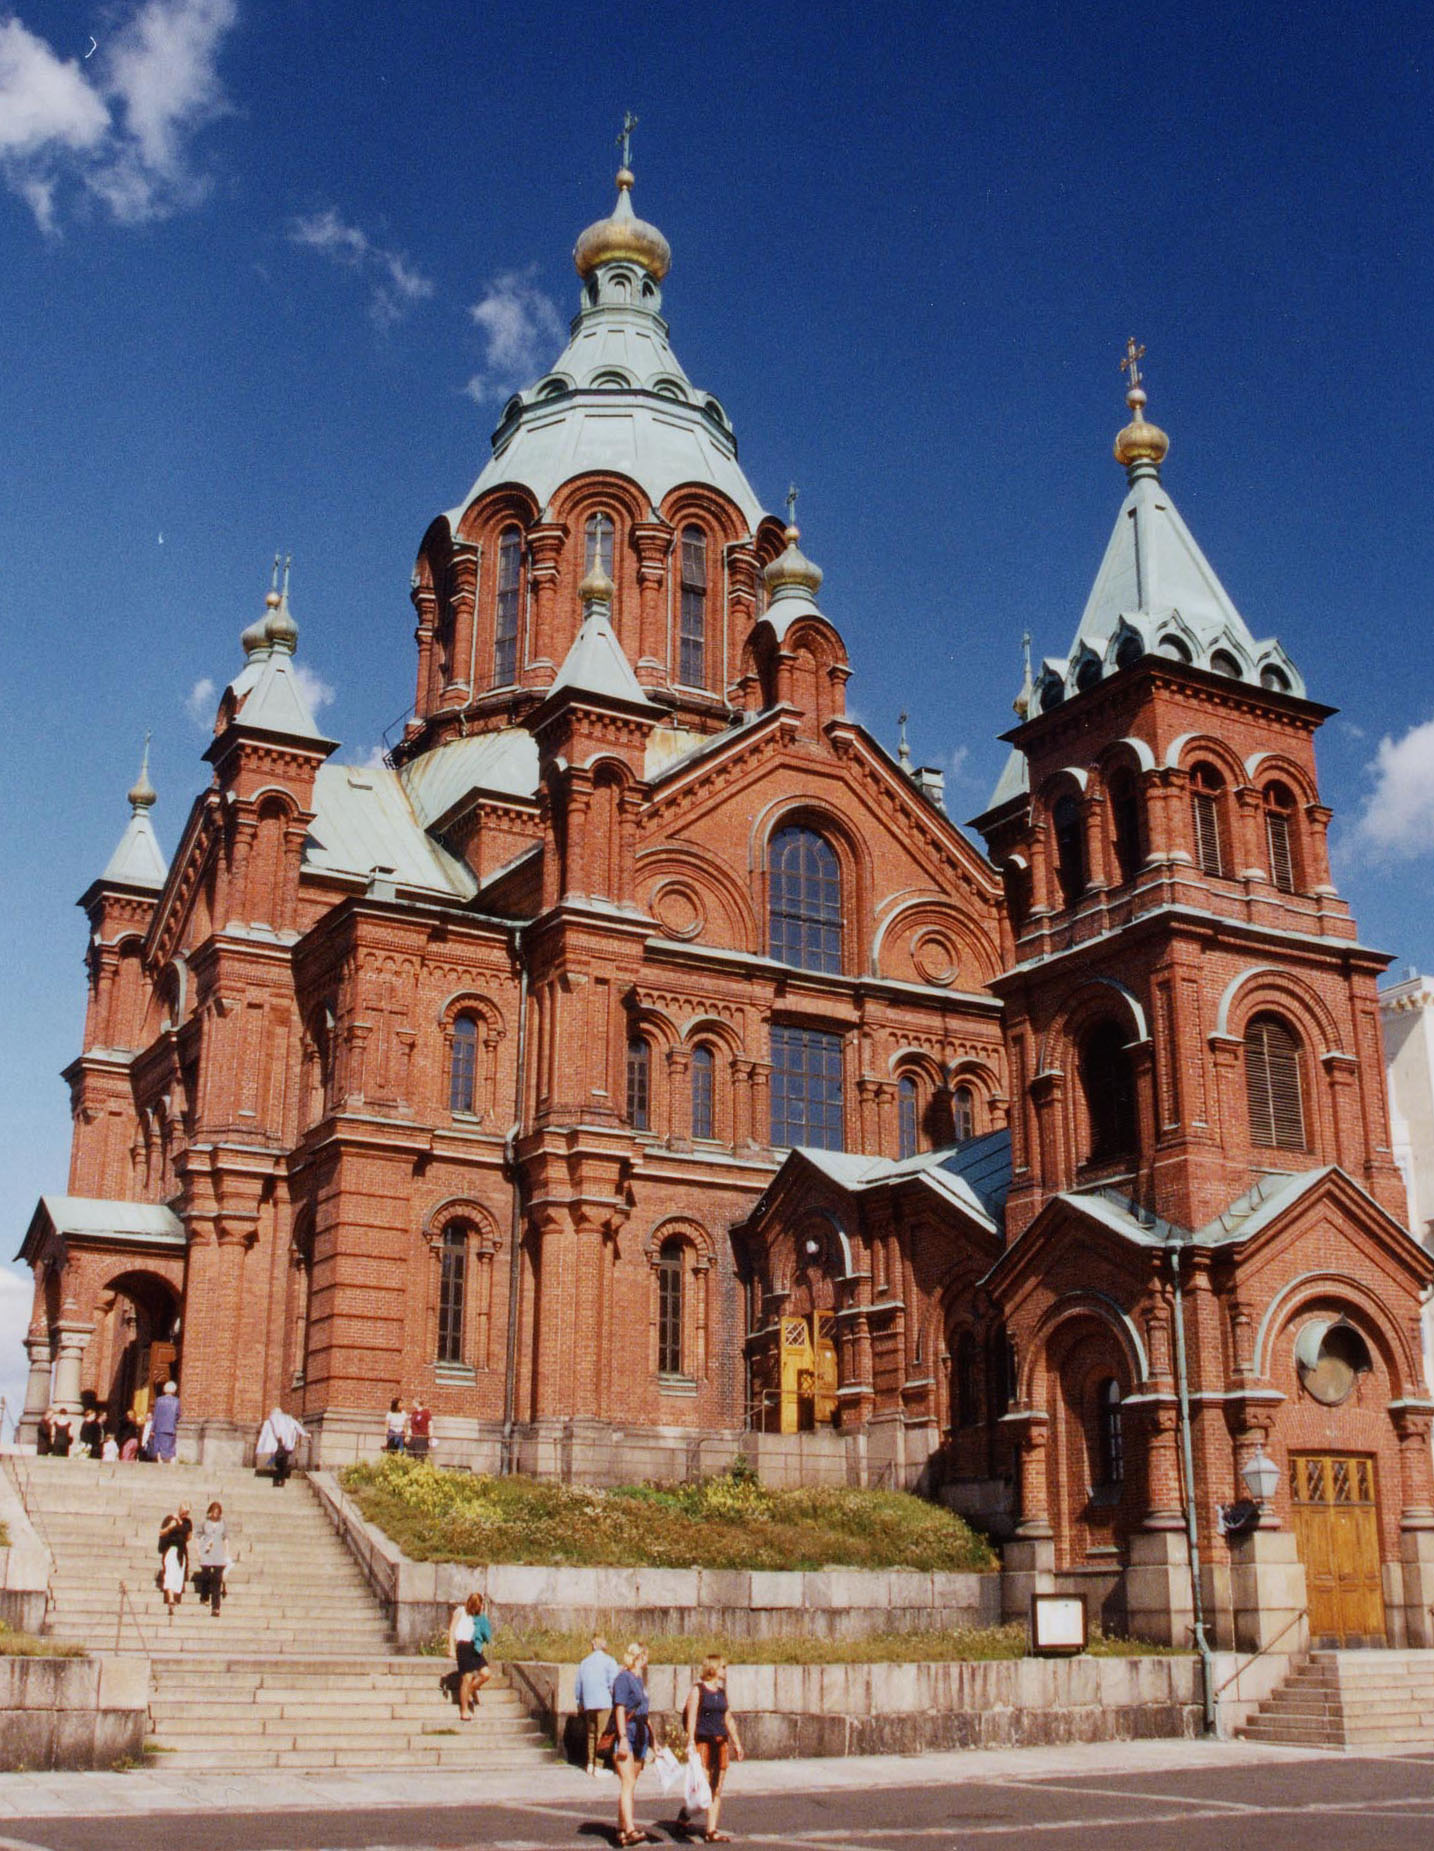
column 123, row 1602
column 1268, row 1646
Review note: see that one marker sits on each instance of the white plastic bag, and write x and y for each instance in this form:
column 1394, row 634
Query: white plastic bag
column 669, row 1769
column 698, row 1796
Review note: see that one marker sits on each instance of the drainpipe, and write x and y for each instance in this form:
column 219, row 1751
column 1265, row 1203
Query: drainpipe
column 1182, row 1384
column 515, row 1230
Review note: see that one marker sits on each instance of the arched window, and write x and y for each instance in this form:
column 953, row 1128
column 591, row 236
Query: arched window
column 1223, row 663
column 805, row 901
column 1207, row 790
column 1279, row 836
column 692, row 614
column 1127, row 823
column 1130, row 651
column 1001, row 1371
column 1070, row 848
column 968, row 1381
column 639, row 1070
column 1275, row 679
column 703, row 1114
column 597, row 544
column 1108, row 1081
column 505, row 614
column 463, row 1065
column 963, row 1114
column 452, row 1292
column 1110, row 1450
column 1273, row 1084
column 669, row 1308
column 1088, row 674
column 1172, row 647
column 906, row 1117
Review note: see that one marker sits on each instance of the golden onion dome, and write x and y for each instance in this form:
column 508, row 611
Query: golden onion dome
column 793, row 568
column 1140, row 441
column 142, row 794
column 623, row 236
column 597, row 586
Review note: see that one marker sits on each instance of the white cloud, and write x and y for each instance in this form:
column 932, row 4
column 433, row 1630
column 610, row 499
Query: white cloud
column 520, row 326
column 397, row 285
column 199, row 702
column 315, row 690
column 17, row 1292
column 118, row 125
column 1397, row 821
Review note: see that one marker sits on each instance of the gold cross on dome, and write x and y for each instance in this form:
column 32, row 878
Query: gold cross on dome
column 792, row 505
column 1134, row 354
column 624, row 141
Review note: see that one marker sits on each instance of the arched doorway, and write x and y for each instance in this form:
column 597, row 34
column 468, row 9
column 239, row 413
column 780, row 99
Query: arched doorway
column 809, row 1369
column 136, row 1341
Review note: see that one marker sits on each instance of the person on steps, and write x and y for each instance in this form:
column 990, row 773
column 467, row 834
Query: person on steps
column 175, row 1531
column 469, row 1631
column 594, row 1696
column 213, row 1557
column 629, row 1720
column 164, row 1425
column 278, row 1442
column 712, row 1732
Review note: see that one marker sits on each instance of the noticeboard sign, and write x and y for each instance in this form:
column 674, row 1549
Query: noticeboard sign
column 1058, row 1625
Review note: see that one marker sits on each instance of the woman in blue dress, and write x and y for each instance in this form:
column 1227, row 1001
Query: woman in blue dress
column 629, row 1720
column 164, row 1429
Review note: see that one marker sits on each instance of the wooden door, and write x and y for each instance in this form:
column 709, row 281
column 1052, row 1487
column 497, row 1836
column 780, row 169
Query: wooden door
column 1336, row 1518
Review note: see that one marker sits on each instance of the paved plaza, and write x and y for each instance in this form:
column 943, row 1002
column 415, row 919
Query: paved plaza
column 1145, row 1796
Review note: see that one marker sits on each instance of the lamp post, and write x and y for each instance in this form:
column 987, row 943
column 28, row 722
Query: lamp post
column 1261, row 1476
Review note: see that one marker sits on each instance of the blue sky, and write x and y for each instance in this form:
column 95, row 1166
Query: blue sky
column 268, row 270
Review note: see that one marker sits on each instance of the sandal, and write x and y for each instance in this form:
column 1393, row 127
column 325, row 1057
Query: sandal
column 716, row 1838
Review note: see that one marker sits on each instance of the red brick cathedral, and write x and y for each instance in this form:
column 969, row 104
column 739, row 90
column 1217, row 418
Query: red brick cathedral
column 641, row 1068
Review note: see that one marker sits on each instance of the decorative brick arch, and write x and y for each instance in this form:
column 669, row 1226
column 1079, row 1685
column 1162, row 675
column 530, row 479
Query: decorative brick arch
column 1371, row 1318
column 1095, row 1000
column 694, row 1280
column 853, row 859
column 1033, row 1378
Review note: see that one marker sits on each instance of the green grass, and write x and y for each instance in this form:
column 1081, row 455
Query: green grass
column 731, row 1521
column 26, row 1645
column 904, row 1648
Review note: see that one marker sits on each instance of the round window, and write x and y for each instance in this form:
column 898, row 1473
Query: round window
column 1330, row 1357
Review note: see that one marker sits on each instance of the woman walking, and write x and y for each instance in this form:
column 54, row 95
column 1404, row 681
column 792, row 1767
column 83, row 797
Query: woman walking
column 629, row 1720
column 213, row 1556
column 164, row 1425
column 469, row 1631
column 175, row 1531
column 711, row 1733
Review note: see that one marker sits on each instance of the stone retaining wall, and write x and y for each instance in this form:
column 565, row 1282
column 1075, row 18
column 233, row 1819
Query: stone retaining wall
column 24, row 1565
column 72, row 1712
column 840, row 1603
column 851, row 1709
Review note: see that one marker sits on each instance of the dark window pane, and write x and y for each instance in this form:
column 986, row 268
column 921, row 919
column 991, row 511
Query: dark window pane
column 692, row 616
column 1070, row 848
column 807, row 1088
column 638, row 1071
column 452, row 1288
column 1108, row 1080
column 463, row 1073
column 702, row 1090
column 1273, row 1086
column 805, row 898
column 906, row 1118
column 669, row 1308
column 1110, row 1460
column 963, row 1114
column 1206, row 788
column 1128, row 823
column 597, row 547
column 505, row 620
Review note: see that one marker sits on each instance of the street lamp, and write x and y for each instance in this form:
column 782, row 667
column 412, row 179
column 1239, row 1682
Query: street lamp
column 1261, row 1476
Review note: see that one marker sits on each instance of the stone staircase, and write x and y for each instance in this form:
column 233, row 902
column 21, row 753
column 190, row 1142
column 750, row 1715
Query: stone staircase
column 1369, row 1699
column 298, row 1671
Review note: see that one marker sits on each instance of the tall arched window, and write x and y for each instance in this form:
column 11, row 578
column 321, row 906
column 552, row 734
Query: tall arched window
column 452, row 1292
column 505, row 614
column 1108, row 1082
column 669, row 1308
column 1127, row 823
column 703, row 1102
column 1273, row 1084
column 1109, row 1462
column 906, row 1116
column 463, row 1065
column 1279, row 836
column 597, row 544
column 968, row 1381
column 963, row 1114
column 805, row 901
column 692, row 615
column 639, row 1071
column 1207, row 789
column 1070, row 847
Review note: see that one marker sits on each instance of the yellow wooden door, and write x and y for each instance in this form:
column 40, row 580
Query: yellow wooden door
column 825, row 1411
column 1336, row 1520
column 798, row 1377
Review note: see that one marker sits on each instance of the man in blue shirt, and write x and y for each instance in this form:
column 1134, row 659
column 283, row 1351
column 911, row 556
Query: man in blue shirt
column 594, row 1696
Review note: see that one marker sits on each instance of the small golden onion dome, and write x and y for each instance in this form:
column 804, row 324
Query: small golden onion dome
column 281, row 630
column 793, row 568
column 597, row 585
column 142, row 794
column 624, row 235
column 1140, row 442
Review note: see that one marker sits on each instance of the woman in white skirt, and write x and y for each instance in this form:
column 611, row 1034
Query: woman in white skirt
column 174, row 1534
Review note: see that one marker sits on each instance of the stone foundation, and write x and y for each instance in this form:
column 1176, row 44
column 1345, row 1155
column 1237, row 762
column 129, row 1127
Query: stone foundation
column 72, row 1712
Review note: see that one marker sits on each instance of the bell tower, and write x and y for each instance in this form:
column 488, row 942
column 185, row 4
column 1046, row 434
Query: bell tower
column 1190, row 1016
